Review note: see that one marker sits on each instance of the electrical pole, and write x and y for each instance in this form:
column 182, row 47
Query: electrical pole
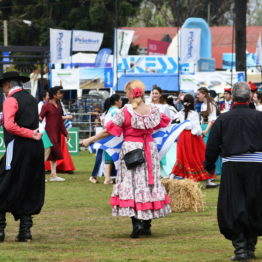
column 5, row 33
column 240, row 34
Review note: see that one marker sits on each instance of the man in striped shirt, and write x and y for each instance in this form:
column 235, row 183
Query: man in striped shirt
column 237, row 137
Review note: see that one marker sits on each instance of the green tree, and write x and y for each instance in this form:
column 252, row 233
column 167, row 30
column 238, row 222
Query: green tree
column 175, row 12
column 92, row 15
column 255, row 13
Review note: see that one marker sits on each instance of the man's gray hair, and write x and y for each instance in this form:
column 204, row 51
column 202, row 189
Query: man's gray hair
column 241, row 92
column 14, row 83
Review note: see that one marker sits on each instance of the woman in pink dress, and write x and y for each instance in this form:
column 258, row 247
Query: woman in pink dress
column 138, row 192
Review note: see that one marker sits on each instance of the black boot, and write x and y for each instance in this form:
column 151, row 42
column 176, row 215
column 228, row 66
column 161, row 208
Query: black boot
column 137, row 227
column 251, row 246
column 2, row 226
column 146, row 231
column 240, row 245
column 24, row 234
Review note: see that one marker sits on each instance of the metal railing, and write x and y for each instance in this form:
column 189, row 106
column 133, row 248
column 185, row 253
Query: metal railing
column 86, row 126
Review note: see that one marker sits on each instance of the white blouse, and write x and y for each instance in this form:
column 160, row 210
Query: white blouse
column 213, row 114
column 163, row 108
column 259, row 107
column 194, row 125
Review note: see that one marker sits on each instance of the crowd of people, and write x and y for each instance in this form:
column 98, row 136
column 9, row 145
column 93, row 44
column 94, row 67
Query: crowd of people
column 219, row 138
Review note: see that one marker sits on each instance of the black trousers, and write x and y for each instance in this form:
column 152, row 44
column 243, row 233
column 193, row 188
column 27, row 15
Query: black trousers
column 240, row 199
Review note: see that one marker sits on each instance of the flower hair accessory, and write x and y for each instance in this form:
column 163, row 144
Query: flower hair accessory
column 136, row 92
column 186, row 103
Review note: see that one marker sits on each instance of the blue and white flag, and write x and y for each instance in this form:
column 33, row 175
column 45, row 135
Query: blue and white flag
column 164, row 138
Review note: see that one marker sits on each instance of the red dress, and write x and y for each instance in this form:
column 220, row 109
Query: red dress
column 190, row 150
column 63, row 165
column 54, row 128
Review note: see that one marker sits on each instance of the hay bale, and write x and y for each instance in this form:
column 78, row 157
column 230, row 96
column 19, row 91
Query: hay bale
column 185, row 195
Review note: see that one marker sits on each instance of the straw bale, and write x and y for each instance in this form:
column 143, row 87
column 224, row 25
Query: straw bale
column 185, row 195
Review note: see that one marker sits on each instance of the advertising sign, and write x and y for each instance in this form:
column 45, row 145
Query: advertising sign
column 86, row 40
column 60, row 44
column 155, row 47
column 190, row 44
column 123, row 41
column 150, row 64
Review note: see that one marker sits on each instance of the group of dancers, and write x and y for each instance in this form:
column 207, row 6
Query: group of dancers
column 138, row 192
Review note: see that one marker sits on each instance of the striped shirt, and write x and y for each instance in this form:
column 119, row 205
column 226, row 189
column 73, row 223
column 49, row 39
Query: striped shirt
column 247, row 157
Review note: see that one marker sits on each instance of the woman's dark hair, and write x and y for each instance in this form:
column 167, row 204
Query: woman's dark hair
column 114, row 98
column 124, row 101
column 259, row 96
column 188, row 103
column 170, row 100
column 210, row 100
column 161, row 99
column 107, row 105
column 43, row 94
column 54, row 90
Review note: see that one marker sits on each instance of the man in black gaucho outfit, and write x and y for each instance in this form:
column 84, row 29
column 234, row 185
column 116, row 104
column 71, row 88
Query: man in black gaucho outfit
column 22, row 180
column 237, row 136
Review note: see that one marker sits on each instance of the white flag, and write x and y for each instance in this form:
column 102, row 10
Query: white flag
column 190, row 44
column 259, row 51
column 86, row 40
column 123, row 41
column 60, row 45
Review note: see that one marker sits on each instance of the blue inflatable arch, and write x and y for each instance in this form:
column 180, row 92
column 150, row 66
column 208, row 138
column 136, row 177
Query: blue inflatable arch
column 205, row 45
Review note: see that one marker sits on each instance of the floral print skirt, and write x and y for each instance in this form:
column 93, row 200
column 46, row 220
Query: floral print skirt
column 132, row 196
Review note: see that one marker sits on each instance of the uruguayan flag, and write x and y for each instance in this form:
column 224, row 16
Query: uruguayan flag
column 68, row 122
column 164, row 138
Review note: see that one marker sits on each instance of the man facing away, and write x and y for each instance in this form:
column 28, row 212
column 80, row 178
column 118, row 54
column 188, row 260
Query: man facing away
column 22, row 180
column 237, row 137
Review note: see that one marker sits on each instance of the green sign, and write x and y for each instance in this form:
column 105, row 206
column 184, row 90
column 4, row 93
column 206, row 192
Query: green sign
column 2, row 143
column 72, row 143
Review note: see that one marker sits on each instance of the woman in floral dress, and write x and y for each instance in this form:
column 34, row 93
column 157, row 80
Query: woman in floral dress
column 138, row 192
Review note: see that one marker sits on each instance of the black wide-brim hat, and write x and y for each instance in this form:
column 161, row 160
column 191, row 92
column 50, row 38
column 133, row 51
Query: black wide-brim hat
column 13, row 75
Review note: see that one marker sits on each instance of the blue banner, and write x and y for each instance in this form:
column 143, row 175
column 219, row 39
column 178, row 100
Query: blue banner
column 102, row 57
column 229, row 60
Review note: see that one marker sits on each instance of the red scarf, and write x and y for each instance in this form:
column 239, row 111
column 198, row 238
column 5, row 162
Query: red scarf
column 240, row 103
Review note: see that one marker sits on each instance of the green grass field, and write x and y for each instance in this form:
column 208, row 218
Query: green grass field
column 76, row 226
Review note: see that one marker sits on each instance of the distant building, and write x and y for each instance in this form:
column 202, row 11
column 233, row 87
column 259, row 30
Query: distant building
column 221, row 39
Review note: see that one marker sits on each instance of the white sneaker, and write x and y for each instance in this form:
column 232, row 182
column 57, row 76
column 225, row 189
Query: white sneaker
column 56, row 179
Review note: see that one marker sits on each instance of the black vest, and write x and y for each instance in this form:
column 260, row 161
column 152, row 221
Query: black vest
column 27, row 114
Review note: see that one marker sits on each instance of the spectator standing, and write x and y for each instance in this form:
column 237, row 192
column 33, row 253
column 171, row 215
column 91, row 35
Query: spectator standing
column 179, row 101
column 253, row 89
column 257, row 98
column 46, row 141
column 227, row 104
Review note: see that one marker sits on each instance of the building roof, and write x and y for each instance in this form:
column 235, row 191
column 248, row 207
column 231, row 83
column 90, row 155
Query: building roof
column 221, row 38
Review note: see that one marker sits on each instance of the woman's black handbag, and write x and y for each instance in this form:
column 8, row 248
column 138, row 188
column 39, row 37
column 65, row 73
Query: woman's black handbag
column 134, row 158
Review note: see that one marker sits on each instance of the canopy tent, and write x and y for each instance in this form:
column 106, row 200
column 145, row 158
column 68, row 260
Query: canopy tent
column 167, row 82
